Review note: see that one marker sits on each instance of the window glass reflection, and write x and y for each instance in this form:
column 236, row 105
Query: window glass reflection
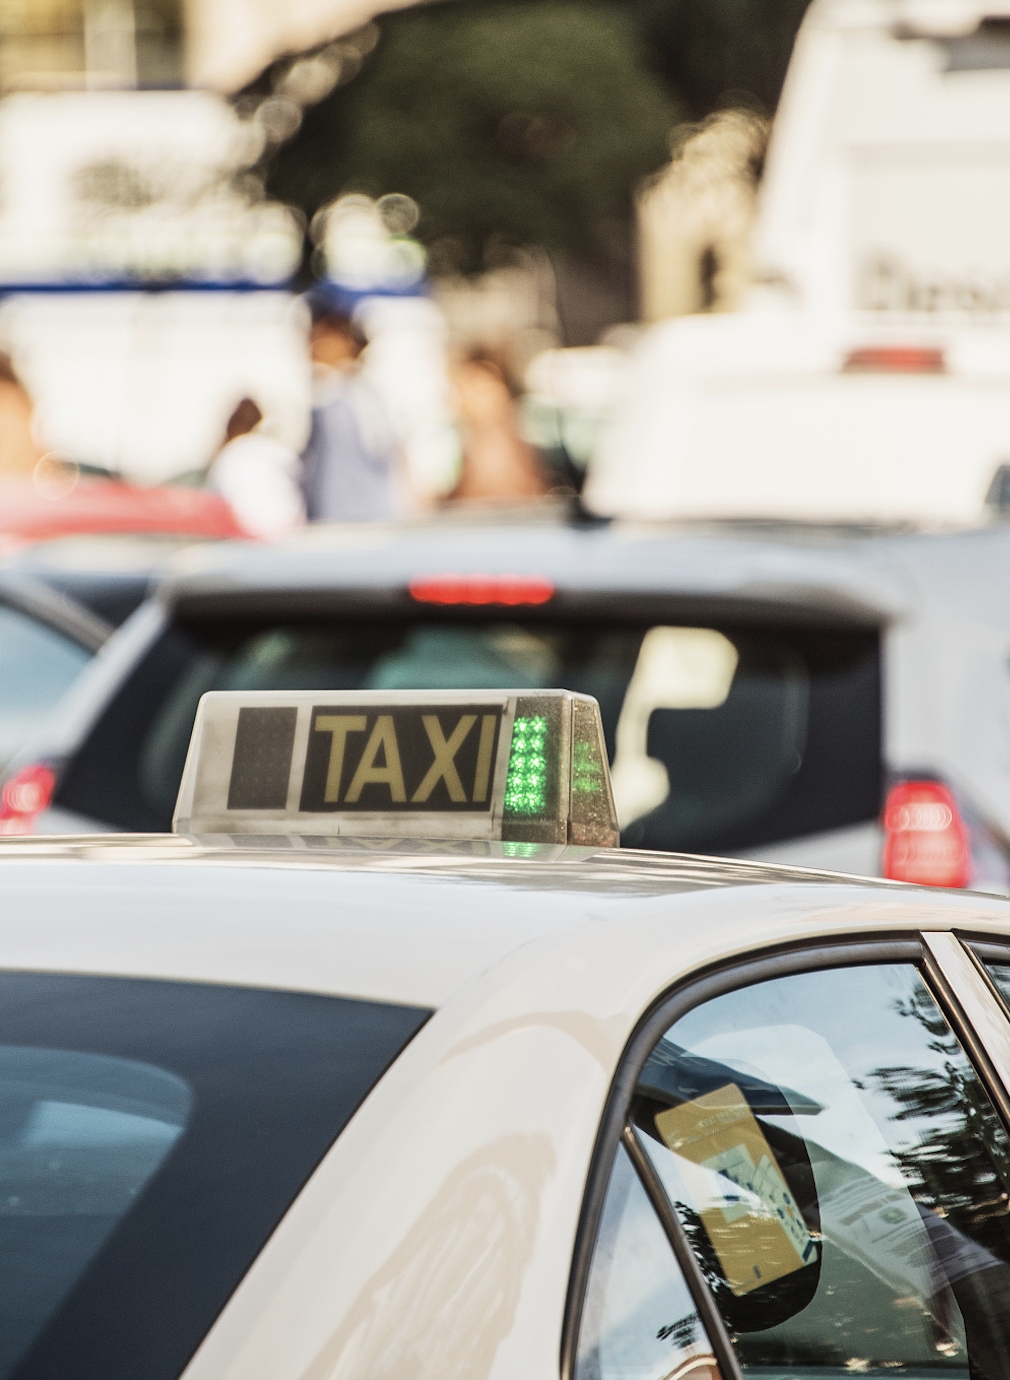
column 638, row 1319
column 38, row 665
column 1000, row 974
column 80, row 1137
column 841, row 1175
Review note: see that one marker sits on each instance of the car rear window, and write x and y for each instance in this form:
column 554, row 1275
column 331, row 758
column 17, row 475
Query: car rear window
column 152, row 1134
column 720, row 738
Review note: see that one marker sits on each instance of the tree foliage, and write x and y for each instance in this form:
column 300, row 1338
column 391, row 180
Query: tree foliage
column 960, row 1161
column 531, row 121
column 507, row 121
column 715, row 53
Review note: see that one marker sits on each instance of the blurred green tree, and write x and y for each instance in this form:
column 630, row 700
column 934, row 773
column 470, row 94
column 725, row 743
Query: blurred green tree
column 716, row 53
column 508, row 122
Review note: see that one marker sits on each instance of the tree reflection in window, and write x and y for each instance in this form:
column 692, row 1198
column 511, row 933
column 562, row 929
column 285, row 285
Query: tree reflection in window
column 873, row 1117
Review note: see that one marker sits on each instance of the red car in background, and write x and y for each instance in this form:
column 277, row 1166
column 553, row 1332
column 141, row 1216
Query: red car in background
column 66, row 503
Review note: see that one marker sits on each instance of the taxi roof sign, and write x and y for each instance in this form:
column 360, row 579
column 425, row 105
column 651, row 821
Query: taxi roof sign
column 443, row 764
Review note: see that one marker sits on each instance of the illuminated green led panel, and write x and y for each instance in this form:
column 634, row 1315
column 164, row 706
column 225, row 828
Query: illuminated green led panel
column 587, row 770
column 526, row 783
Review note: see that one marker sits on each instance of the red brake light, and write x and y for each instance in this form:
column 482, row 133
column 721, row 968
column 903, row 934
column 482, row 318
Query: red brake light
column 925, row 838
column 481, row 589
column 26, row 794
column 895, row 359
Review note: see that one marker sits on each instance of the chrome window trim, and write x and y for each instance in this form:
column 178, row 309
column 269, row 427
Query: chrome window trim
column 969, row 1000
column 946, row 977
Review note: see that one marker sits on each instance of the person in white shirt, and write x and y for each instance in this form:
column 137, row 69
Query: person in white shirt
column 259, row 476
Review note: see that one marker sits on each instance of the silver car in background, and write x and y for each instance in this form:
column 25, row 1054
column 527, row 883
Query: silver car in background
column 832, row 697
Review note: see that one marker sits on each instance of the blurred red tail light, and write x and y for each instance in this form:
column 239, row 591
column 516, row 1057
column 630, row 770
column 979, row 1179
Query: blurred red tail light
column 481, row 589
column 24, row 796
column 895, row 359
column 925, row 838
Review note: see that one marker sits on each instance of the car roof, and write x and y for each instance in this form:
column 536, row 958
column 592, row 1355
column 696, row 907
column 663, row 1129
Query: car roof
column 404, row 922
column 542, row 867
column 843, row 573
column 109, row 573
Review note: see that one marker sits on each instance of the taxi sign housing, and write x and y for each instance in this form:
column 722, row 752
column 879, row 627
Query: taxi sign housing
column 480, row 764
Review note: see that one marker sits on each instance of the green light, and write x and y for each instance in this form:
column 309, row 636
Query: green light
column 526, row 783
column 587, row 771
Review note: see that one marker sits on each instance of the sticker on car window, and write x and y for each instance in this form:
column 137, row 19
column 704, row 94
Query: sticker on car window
column 744, row 1202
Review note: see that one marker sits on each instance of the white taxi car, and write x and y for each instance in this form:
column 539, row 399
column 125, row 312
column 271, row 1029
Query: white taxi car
column 391, row 1068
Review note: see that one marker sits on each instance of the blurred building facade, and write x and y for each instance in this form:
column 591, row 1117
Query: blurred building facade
column 133, row 155
column 217, row 44
column 117, row 179
column 59, row 44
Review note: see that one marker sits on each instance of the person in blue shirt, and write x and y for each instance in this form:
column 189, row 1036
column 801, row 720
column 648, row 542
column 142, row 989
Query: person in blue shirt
column 349, row 458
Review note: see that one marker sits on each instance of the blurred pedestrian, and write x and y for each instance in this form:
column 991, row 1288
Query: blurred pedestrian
column 19, row 451
column 498, row 464
column 258, row 475
column 350, row 455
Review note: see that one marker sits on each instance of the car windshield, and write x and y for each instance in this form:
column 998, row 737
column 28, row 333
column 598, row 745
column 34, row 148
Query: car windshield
column 152, row 1134
column 719, row 737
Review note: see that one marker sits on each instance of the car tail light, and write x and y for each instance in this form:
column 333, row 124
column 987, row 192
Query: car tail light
column 24, row 796
column 925, row 839
column 895, row 359
column 481, row 589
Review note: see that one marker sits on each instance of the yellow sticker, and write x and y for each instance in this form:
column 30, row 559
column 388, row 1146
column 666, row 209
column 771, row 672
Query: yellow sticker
column 744, row 1202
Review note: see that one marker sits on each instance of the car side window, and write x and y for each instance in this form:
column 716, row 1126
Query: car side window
column 999, row 970
column 39, row 664
column 638, row 1319
column 839, row 1173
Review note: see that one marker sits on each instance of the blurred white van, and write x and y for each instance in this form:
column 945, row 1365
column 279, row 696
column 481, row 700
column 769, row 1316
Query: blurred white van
column 887, row 183
column 869, row 376
column 804, row 416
